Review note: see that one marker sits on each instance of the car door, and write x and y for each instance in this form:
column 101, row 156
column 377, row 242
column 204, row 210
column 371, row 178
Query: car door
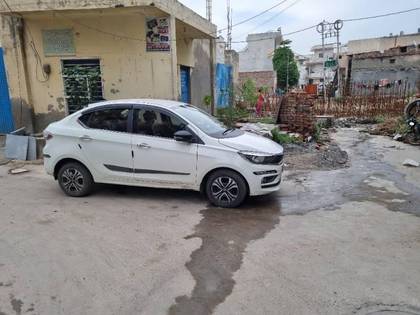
column 106, row 142
column 158, row 159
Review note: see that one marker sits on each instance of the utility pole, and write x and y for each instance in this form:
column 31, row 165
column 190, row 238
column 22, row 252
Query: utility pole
column 338, row 25
column 321, row 29
column 229, row 23
column 329, row 30
column 209, row 9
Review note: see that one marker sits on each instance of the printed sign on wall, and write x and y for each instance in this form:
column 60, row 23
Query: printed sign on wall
column 157, row 34
column 58, row 42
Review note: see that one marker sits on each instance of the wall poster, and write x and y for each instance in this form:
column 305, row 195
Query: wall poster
column 157, row 34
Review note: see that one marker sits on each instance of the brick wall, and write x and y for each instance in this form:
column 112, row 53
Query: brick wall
column 261, row 78
column 297, row 114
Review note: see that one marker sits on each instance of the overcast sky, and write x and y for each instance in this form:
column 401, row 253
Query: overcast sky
column 303, row 13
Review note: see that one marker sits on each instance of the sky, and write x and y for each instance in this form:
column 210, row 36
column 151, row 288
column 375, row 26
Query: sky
column 299, row 14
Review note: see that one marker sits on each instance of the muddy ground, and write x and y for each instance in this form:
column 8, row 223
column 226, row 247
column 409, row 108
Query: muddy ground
column 341, row 239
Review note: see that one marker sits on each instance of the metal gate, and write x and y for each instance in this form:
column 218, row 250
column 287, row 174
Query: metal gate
column 82, row 83
column 6, row 117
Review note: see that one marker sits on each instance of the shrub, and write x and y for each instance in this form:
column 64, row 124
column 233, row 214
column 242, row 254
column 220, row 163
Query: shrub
column 283, row 138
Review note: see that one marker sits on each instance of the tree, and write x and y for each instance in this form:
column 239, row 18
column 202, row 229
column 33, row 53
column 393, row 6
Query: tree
column 285, row 65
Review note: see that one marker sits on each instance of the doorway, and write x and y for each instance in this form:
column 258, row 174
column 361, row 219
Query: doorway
column 185, row 81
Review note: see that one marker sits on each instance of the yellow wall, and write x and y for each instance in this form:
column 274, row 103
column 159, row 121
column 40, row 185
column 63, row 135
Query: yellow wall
column 128, row 71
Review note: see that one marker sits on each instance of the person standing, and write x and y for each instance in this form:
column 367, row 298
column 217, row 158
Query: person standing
column 260, row 103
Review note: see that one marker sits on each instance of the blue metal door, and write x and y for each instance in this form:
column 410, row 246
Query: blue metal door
column 223, row 85
column 6, row 117
column 185, row 84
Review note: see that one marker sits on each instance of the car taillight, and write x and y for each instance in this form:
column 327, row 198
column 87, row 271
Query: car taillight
column 47, row 135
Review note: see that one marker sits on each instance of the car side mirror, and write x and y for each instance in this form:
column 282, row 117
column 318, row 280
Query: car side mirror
column 183, row 136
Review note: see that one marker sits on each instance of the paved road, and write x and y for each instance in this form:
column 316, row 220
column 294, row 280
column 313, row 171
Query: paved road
column 331, row 242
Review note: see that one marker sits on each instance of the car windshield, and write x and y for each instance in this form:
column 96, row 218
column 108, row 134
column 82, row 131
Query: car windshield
column 207, row 123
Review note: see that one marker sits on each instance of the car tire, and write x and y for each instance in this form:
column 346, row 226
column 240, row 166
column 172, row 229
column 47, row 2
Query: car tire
column 75, row 180
column 226, row 189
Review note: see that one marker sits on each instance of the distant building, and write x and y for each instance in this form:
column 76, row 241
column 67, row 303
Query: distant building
column 315, row 64
column 302, row 68
column 384, row 60
column 255, row 61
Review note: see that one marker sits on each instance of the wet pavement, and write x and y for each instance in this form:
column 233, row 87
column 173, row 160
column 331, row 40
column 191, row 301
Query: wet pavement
column 343, row 241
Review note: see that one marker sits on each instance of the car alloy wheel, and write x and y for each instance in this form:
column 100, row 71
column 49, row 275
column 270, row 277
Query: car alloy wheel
column 225, row 189
column 75, row 179
column 72, row 180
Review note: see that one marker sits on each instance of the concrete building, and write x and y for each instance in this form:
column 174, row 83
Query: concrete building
column 255, row 61
column 399, row 65
column 61, row 55
column 315, row 64
column 387, row 60
column 382, row 43
column 302, row 68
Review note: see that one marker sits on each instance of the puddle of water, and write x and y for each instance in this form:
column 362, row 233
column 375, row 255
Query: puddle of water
column 225, row 234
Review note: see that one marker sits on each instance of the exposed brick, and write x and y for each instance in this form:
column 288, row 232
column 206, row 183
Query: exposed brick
column 261, row 78
column 297, row 113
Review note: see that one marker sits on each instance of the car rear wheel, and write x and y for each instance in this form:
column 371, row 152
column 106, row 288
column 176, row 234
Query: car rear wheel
column 225, row 188
column 75, row 180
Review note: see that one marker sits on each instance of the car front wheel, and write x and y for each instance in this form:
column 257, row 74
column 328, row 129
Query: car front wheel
column 225, row 188
column 75, row 180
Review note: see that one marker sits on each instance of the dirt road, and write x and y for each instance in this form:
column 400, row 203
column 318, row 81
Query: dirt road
column 341, row 241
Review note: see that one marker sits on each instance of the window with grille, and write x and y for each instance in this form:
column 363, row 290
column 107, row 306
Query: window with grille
column 82, row 83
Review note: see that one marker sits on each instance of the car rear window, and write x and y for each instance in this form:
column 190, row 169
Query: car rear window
column 114, row 119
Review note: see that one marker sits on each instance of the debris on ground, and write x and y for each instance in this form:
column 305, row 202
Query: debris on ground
column 349, row 122
column 257, row 128
column 398, row 137
column 315, row 156
column 411, row 163
column 15, row 171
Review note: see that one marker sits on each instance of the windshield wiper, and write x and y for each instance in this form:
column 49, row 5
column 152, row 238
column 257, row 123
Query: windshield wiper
column 229, row 130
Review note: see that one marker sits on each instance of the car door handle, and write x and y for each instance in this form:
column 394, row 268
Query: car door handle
column 143, row 146
column 85, row 138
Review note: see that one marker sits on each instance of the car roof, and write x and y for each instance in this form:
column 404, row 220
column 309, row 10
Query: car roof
column 140, row 101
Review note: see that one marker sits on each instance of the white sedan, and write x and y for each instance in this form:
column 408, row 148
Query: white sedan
column 160, row 143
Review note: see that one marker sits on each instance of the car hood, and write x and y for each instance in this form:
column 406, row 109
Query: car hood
column 252, row 142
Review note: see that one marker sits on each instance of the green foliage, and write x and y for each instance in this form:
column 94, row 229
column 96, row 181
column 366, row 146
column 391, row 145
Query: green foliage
column 230, row 115
column 249, row 92
column 380, row 119
column 402, row 128
column 283, row 138
column 318, row 128
column 263, row 120
column 285, row 65
column 207, row 100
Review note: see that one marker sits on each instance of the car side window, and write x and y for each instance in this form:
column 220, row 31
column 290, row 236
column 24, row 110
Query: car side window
column 152, row 122
column 113, row 119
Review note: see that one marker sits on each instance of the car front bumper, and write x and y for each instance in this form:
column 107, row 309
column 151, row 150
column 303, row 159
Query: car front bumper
column 264, row 179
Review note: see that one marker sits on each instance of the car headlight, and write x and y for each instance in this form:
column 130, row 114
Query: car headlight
column 261, row 158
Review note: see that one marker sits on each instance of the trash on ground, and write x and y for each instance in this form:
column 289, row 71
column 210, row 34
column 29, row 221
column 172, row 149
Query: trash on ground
column 398, row 137
column 258, row 128
column 16, row 171
column 411, row 163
